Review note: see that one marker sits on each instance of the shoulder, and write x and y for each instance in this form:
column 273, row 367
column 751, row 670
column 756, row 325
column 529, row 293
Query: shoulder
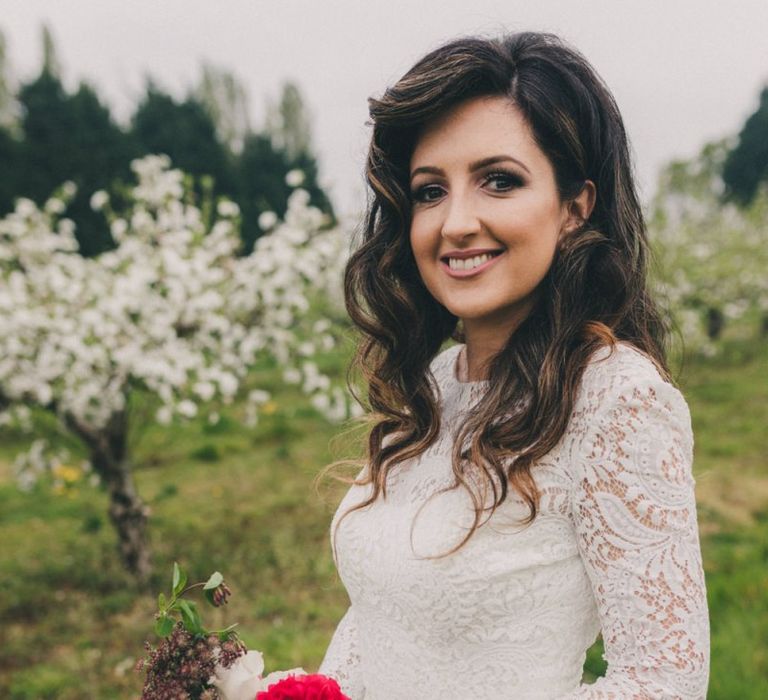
column 623, row 390
column 612, row 371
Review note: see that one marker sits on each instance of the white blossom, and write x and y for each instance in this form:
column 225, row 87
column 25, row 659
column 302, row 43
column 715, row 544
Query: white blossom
column 172, row 308
column 99, row 200
column 294, row 178
column 227, row 208
column 267, row 219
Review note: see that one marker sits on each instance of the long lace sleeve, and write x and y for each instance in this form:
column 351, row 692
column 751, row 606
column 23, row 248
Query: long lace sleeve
column 635, row 515
column 342, row 659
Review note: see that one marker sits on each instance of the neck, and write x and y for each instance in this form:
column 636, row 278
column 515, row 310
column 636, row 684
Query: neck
column 484, row 339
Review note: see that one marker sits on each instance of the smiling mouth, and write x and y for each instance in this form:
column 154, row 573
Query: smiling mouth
column 470, row 267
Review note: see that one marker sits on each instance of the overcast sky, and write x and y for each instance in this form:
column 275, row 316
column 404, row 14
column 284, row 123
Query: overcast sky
column 682, row 71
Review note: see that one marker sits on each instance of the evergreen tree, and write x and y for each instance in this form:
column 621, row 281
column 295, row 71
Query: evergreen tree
column 9, row 165
column 289, row 123
column 746, row 166
column 9, row 146
column 288, row 126
column 226, row 100
column 261, row 171
column 70, row 137
column 8, row 105
column 185, row 132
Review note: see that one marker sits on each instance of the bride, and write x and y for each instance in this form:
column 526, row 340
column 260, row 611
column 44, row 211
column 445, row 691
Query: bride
column 528, row 487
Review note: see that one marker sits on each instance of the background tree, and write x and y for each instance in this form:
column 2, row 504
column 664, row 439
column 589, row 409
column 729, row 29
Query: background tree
column 9, row 131
column 288, row 122
column 746, row 165
column 9, row 164
column 9, row 109
column 226, row 100
column 70, row 137
column 171, row 320
column 261, row 185
column 186, row 133
column 288, row 126
column 49, row 135
column 712, row 256
column 60, row 136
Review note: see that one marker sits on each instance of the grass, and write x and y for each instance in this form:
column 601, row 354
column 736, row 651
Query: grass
column 241, row 501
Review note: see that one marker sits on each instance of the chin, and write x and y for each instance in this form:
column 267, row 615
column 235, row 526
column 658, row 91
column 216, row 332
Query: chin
column 473, row 314
column 502, row 315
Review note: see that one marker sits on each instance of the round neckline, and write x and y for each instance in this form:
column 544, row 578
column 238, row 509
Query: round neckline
column 455, row 370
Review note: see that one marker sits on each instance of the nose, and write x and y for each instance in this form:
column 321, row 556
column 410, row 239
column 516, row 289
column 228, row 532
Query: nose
column 461, row 218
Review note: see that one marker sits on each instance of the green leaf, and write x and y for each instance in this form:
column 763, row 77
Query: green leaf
column 163, row 626
column 214, row 581
column 179, row 579
column 161, row 604
column 227, row 633
column 190, row 617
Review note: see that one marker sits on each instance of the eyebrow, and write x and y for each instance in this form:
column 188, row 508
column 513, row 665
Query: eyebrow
column 483, row 162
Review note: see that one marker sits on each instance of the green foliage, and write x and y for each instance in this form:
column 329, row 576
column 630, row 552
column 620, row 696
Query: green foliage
column 207, row 453
column 169, row 610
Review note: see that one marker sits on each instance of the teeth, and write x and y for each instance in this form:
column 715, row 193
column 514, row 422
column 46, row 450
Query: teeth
column 469, row 263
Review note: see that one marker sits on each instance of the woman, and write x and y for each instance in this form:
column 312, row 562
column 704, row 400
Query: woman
column 529, row 487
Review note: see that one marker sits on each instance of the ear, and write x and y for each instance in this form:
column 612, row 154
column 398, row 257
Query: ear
column 579, row 209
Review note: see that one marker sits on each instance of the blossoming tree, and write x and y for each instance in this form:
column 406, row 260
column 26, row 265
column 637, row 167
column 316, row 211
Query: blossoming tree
column 713, row 255
column 172, row 311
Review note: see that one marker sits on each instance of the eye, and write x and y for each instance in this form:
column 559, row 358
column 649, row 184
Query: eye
column 427, row 193
column 503, row 180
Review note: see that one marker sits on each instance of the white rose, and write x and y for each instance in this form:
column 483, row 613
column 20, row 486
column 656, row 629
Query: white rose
column 242, row 680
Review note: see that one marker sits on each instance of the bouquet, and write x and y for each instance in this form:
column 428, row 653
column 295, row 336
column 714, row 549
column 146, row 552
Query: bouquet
column 193, row 663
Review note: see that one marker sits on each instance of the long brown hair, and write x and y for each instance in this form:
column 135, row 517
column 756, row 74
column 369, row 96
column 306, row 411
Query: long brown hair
column 594, row 294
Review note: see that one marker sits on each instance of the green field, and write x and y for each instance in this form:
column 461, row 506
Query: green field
column 243, row 501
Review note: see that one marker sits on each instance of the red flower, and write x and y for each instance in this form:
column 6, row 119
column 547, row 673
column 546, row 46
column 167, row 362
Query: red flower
column 313, row 686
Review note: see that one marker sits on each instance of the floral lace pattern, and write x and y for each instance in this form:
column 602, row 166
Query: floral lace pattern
column 614, row 548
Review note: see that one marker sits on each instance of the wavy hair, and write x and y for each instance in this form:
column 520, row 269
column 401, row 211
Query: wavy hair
column 594, row 294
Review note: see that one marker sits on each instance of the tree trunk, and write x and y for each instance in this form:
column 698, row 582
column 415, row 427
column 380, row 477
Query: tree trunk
column 127, row 511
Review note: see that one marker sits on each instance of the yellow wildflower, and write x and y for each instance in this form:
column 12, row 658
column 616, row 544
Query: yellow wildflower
column 66, row 473
column 269, row 408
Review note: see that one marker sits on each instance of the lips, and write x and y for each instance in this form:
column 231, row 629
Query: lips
column 459, row 274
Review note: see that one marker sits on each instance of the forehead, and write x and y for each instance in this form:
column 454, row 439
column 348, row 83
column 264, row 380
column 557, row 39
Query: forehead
column 482, row 126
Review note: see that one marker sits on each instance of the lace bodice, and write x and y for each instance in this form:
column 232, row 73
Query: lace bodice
column 614, row 548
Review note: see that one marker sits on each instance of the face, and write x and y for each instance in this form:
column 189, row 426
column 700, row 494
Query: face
column 486, row 213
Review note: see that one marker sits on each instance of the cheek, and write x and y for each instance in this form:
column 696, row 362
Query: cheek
column 536, row 229
column 421, row 244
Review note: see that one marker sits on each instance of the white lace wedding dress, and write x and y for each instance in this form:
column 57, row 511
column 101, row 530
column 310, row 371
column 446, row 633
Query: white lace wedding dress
column 614, row 548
